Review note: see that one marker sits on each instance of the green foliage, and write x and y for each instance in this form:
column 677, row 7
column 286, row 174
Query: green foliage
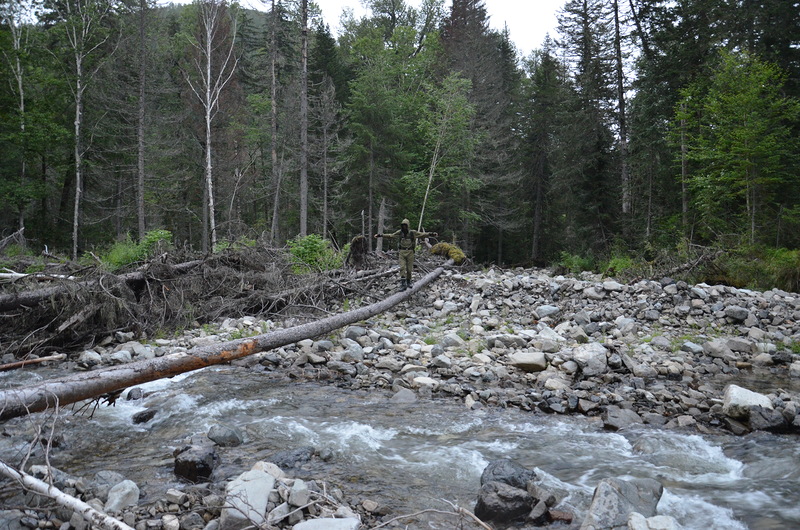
column 757, row 268
column 574, row 263
column 238, row 244
column 124, row 253
column 16, row 250
column 313, row 254
column 739, row 132
column 618, row 265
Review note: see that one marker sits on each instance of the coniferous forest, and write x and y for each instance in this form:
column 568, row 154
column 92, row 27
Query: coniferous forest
column 639, row 127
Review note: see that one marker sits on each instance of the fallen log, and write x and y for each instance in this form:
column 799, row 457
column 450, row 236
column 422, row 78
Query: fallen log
column 11, row 276
column 76, row 505
column 11, row 301
column 86, row 385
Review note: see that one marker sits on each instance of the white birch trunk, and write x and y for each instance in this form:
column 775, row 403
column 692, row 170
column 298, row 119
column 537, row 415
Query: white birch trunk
column 78, row 506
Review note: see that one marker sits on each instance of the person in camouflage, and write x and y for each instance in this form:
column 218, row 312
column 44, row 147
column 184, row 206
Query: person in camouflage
column 407, row 244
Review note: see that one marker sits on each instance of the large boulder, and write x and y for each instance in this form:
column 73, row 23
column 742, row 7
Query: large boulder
column 526, row 361
column 592, row 358
column 195, row 463
column 616, row 418
column 738, row 402
column 501, row 503
column 225, row 435
column 122, row 495
column 616, row 499
column 246, row 500
column 508, row 472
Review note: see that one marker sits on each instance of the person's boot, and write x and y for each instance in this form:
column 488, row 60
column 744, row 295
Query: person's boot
column 409, row 285
column 403, row 284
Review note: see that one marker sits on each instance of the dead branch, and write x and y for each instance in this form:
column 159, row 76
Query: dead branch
column 17, row 237
column 18, row 402
column 76, row 505
column 457, row 510
column 20, row 364
column 693, row 264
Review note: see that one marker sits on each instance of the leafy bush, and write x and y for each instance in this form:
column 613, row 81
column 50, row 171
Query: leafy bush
column 574, row 264
column 124, row 253
column 757, row 268
column 618, row 265
column 312, row 254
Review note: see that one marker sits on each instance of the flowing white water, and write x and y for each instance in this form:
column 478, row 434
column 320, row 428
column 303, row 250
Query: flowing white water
column 416, row 456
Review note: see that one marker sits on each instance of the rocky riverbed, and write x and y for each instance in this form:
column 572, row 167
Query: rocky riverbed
column 696, row 358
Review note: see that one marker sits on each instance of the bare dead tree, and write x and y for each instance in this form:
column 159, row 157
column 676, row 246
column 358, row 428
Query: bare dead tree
column 216, row 65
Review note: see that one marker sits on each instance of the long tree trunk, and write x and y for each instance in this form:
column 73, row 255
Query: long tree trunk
column 35, row 485
column 87, row 385
column 78, row 154
column 273, row 92
column 304, row 122
column 16, row 28
column 213, row 79
column 212, row 225
column 325, row 181
column 622, row 118
column 140, row 119
column 684, row 175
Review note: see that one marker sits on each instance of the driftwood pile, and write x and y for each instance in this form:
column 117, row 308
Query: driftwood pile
column 68, row 307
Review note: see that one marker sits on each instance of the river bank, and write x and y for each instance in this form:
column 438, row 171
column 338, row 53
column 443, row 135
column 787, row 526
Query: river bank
column 658, row 354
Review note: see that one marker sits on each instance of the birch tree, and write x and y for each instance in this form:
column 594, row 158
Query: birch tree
column 86, row 32
column 215, row 64
column 18, row 18
column 450, row 141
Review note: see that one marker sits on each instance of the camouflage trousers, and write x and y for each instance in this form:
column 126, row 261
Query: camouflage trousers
column 406, row 264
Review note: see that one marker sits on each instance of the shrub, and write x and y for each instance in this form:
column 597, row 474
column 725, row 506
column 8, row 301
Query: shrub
column 313, row 254
column 574, row 263
column 124, row 253
column 757, row 268
column 618, row 265
column 15, row 250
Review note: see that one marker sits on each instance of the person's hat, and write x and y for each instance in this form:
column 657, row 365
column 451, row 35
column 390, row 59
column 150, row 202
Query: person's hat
column 406, row 222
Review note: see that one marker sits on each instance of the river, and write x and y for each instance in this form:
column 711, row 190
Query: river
column 410, row 457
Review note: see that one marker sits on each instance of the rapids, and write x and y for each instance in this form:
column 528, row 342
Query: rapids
column 409, row 457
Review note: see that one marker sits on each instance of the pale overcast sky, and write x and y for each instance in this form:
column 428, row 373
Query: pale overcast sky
column 528, row 21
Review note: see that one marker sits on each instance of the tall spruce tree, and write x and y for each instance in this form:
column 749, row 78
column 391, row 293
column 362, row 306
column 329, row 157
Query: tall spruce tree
column 585, row 176
column 488, row 60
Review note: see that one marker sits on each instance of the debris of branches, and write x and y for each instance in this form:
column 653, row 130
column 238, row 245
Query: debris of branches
column 165, row 294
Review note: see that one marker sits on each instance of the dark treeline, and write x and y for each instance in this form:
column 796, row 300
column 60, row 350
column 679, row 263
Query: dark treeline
column 639, row 126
